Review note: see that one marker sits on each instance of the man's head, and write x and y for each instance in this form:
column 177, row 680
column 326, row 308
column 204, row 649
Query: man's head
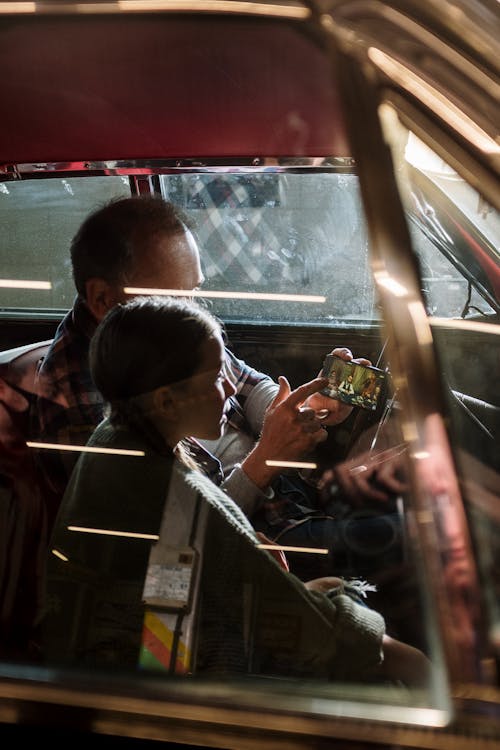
column 138, row 242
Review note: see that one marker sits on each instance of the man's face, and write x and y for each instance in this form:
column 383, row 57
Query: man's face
column 172, row 262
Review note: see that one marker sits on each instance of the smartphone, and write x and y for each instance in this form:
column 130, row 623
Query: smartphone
column 357, row 385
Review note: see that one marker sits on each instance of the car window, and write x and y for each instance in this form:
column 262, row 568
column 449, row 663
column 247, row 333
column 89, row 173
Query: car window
column 144, row 604
column 257, row 242
column 447, row 291
column 39, row 219
column 281, row 233
column 456, row 234
column 453, row 217
column 263, row 233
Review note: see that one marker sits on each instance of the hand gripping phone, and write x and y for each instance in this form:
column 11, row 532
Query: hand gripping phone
column 356, row 385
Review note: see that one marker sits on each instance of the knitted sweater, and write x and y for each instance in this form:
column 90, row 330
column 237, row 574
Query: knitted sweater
column 252, row 617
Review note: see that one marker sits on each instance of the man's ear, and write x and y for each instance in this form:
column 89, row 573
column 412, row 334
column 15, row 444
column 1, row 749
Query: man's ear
column 100, row 297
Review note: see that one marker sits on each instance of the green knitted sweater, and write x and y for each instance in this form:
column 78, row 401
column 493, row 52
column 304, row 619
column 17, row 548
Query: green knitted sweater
column 252, row 617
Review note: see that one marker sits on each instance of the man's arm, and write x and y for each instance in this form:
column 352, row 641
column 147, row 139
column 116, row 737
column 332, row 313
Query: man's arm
column 255, row 392
column 370, row 476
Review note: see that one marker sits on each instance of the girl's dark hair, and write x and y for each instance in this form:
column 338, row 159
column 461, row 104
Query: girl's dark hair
column 146, row 343
column 111, row 241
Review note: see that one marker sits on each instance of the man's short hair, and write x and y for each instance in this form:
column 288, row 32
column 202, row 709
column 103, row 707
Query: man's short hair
column 112, row 239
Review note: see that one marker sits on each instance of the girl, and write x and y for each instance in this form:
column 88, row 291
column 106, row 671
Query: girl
column 152, row 564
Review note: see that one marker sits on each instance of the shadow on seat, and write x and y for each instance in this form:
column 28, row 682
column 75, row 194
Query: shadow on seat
column 23, row 508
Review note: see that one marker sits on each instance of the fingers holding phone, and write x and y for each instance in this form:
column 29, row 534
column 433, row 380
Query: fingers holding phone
column 351, row 382
column 291, row 431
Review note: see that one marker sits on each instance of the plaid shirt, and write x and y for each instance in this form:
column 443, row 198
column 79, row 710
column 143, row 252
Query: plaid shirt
column 69, row 407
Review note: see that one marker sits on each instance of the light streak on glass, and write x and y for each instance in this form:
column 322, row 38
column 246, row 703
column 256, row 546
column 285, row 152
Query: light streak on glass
column 209, row 294
column 21, row 7
column 284, row 548
column 84, row 449
column 388, row 282
column 24, row 284
column 112, row 532
column 422, row 327
column 473, row 326
column 60, row 555
column 293, row 464
column 421, row 455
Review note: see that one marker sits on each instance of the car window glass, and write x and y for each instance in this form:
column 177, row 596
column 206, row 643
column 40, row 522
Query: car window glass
column 446, row 289
column 456, row 234
column 319, row 213
column 270, row 628
column 457, row 220
column 280, row 233
column 39, row 218
column 261, row 233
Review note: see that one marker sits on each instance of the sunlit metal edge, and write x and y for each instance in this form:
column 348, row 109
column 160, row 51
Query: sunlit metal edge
column 463, row 18
column 433, row 99
column 406, row 322
column 481, row 172
column 228, row 702
column 233, row 7
column 342, row 24
column 199, row 165
column 473, row 326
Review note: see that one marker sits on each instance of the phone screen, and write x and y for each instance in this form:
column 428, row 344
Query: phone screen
column 357, row 385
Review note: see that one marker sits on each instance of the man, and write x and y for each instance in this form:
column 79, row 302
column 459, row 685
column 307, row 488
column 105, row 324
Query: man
column 144, row 242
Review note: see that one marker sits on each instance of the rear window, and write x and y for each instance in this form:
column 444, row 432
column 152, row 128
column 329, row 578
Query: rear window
column 262, row 234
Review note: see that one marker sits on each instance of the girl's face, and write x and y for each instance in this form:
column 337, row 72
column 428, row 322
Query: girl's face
column 201, row 401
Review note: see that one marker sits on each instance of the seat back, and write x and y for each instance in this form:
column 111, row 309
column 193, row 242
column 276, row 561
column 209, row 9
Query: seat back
column 23, row 512
column 18, row 369
column 23, row 360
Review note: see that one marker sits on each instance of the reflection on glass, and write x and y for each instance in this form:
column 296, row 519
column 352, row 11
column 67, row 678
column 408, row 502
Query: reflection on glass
column 39, row 219
column 170, row 573
column 460, row 261
column 280, row 232
column 262, row 232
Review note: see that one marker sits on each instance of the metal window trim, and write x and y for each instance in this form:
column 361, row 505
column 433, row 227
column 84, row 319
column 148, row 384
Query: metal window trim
column 413, row 363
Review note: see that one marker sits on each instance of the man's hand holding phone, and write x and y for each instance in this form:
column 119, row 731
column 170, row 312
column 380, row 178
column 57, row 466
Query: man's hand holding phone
column 291, row 431
column 333, row 411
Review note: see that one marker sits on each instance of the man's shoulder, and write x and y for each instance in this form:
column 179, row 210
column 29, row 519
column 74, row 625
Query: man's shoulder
column 65, row 367
column 72, row 337
column 242, row 374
